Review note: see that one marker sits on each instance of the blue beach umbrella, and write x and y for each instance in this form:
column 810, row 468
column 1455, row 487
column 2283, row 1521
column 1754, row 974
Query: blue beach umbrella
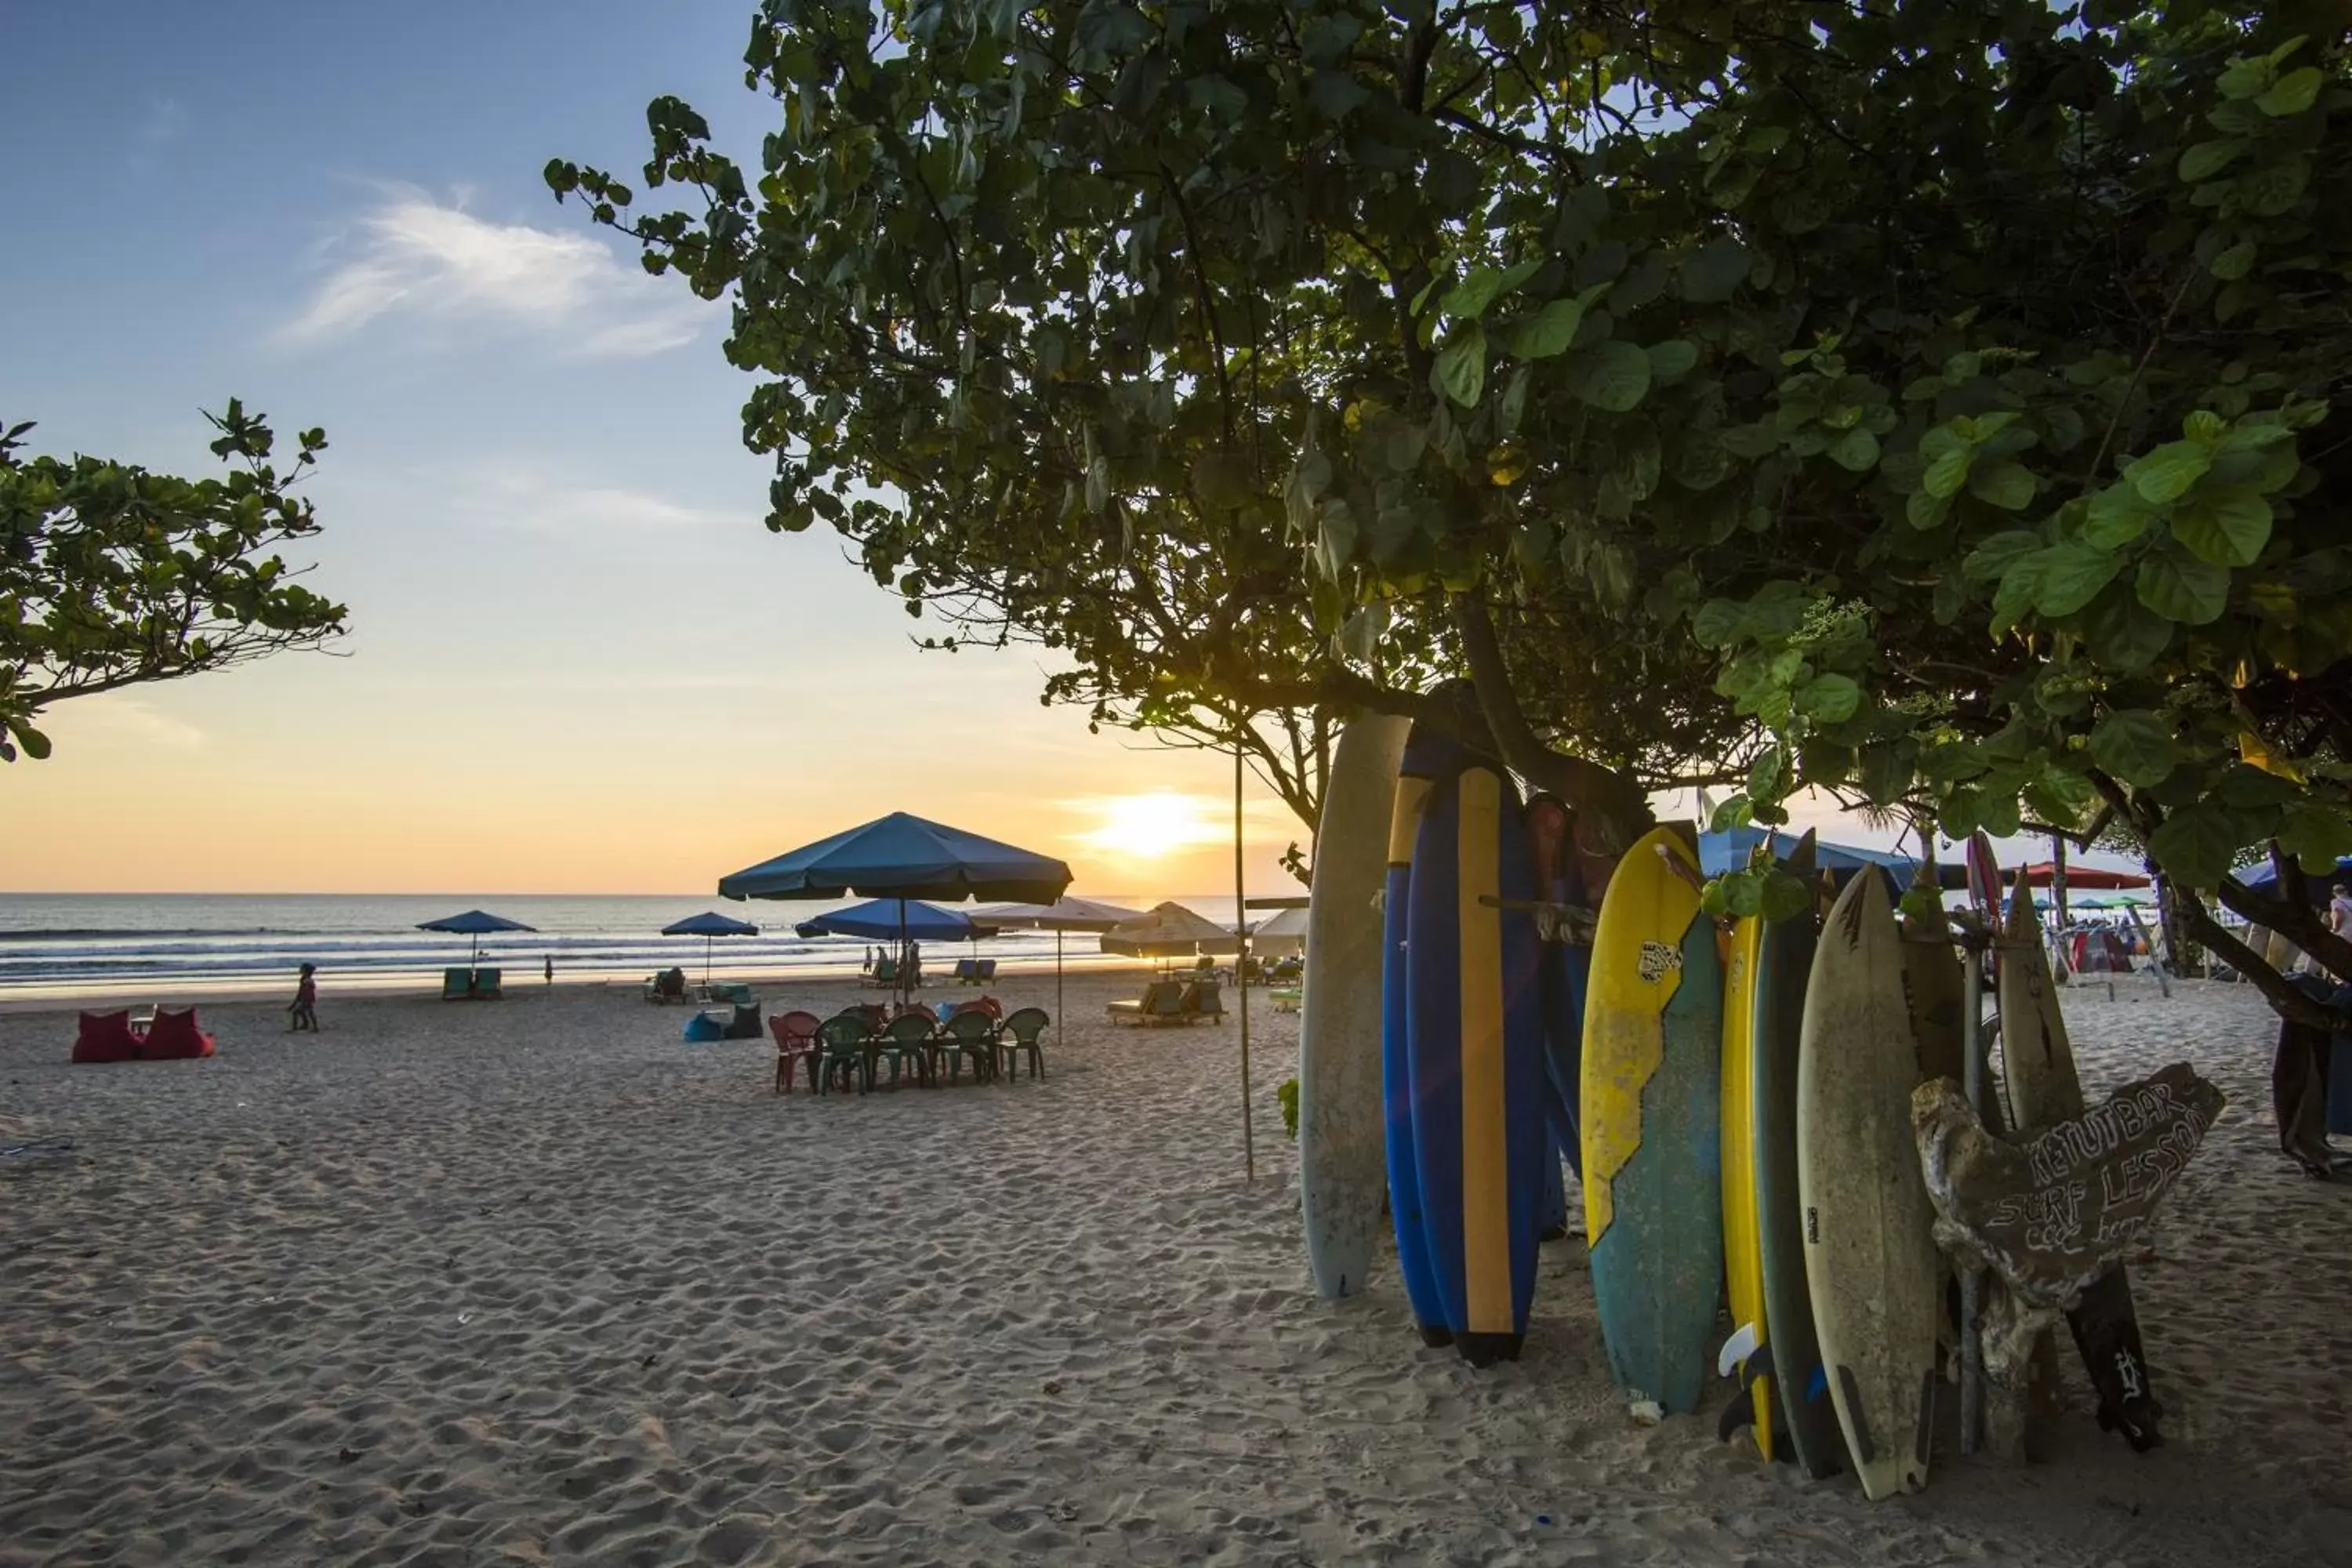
column 1727, row 851
column 903, row 858
column 898, row 920
column 475, row 924
column 708, row 927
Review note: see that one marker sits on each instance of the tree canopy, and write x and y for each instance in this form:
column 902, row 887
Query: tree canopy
column 113, row 576
column 1929, row 402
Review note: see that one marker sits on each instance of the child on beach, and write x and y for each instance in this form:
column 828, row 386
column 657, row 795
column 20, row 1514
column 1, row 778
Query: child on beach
column 304, row 1013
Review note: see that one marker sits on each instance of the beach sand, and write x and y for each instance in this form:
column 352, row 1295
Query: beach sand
column 535, row 1283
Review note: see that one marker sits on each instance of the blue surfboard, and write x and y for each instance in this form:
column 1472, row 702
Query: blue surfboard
column 1427, row 751
column 1481, row 1138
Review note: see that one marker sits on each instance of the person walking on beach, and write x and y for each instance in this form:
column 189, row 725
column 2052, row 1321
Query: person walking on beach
column 304, row 1013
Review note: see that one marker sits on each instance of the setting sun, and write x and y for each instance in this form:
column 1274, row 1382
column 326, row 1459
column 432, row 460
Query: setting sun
column 1148, row 826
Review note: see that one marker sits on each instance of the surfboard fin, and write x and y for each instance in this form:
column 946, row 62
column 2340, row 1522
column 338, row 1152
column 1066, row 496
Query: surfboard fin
column 1743, row 1342
column 1817, row 1385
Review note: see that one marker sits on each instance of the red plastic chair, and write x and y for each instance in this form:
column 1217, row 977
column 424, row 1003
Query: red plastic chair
column 987, row 1005
column 173, row 1037
column 107, row 1037
column 795, row 1039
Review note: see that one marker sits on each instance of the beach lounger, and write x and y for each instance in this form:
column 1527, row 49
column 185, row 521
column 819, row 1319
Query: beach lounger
column 1158, row 1005
column 486, row 984
column 1021, row 1033
column 967, row 971
column 795, row 1035
column 175, row 1036
column 456, row 985
column 885, row 973
column 1200, row 1000
column 667, row 986
column 106, row 1037
column 984, row 971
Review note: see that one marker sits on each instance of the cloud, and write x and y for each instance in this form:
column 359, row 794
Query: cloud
column 132, row 721
column 442, row 265
column 525, row 496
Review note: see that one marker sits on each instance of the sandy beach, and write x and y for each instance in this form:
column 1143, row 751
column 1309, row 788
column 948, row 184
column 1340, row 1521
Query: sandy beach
column 536, row 1282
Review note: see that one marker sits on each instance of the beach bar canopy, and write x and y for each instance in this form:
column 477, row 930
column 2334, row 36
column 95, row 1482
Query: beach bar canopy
column 708, row 927
column 1063, row 915
column 1170, row 930
column 1727, row 851
column 902, row 856
column 1280, row 934
column 898, row 920
column 475, row 924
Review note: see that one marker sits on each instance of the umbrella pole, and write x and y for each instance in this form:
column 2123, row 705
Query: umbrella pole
column 1057, row 976
column 1241, row 973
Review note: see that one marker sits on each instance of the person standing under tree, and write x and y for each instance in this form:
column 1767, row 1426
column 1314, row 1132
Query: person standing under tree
column 304, row 1013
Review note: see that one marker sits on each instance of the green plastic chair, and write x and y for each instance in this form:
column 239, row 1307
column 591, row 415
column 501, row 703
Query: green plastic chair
column 1021, row 1033
column 841, row 1049
column 972, row 1034
column 908, row 1036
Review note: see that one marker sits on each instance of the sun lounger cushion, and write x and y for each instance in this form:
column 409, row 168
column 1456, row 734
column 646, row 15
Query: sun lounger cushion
column 173, row 1037
column 106, row 1037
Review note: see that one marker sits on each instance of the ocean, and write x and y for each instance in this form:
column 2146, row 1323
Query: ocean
column 56, row 946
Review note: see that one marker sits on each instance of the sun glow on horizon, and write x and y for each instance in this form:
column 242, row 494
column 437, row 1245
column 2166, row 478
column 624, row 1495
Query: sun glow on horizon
column 1148, row 827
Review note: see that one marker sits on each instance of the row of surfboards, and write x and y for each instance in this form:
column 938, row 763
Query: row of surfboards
column 1739, row 1110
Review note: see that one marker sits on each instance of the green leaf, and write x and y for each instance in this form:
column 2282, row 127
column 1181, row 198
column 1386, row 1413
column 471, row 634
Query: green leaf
column 2272, row 189
column 2135, row 746
column 1948, row 473
column 2228, row 529
column 1831, row 699
column 2315, row 836
column 1856, row 451
column 1460, row 372
column 2072, row 575
column 1923, row 510
column 1715, row 271
column 2292, row 93
column 1614, row 375
column 1768, row 775
column 2008, row 486
column 35, row 744
column 1995, row 555
column 2126, row 633
column 1672, row 360
column 2233, row 263
column 1719, row 623
column 1467, row 301
column 2166, row 474
column 2207, row 159
column 2182, row 588
column 2246, row 78
column 1729, row 814
column 1549, row 330
column 2195, row 846
column 2115, row 518
column 1785, row 897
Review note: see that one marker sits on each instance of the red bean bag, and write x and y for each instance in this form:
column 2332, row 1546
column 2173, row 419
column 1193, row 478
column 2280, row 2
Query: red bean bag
column 106, row 1037
column 173, row 1037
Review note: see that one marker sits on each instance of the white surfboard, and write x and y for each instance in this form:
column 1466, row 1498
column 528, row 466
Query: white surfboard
column 1342, row 1149
column 1872, row 1268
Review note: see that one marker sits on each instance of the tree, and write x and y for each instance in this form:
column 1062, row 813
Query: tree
column 1929, row 403
column 113, row 576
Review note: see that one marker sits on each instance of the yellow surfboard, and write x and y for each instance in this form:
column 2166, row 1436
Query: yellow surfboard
column 1743, row 1246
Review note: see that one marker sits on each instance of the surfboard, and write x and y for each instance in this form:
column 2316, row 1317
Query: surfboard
column 2044, row 1086
column 1872, row 1268
column 1793, row 1356
column 1653, row 1131
column 1479, row 1137
column 1562, row 979
column 1426, row 749
column 1342, row 1158
column 1743, row 1247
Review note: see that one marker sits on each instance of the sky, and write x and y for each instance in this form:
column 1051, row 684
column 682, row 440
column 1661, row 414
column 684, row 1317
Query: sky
column 577, row 661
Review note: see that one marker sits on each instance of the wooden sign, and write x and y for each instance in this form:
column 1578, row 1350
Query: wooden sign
column 2052, row 1214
